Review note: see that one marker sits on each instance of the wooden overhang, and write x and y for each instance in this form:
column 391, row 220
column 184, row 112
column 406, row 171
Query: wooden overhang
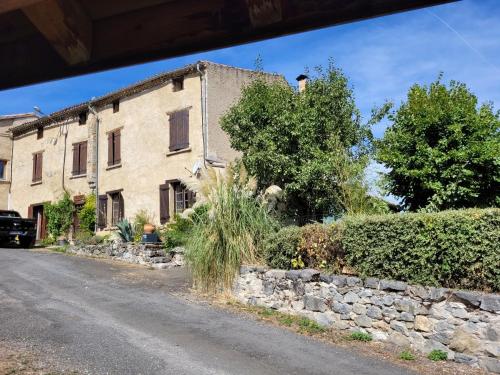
column 42, row 40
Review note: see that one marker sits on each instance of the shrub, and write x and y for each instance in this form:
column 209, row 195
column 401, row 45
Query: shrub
column 125, row 231
column 234, row 231
column 360, row 336
column 281, row 247
column 319, row 247
column 457, row 249
column 406, row 355
column 438, row 355
column 176, row 233
column 59, row 216
column 141, row 217
column 86, row 215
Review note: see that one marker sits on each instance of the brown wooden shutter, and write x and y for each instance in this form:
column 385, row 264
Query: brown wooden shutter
column 110, row 149
column 34, row 168
column 121, row 206
column 76, row 156
column 40, row 164
column 164, row 203
column 30, row 212
column 173, row 131
column 103, row 211
column 179, row 130
column 83, row 158
column 184, row 139
column 117, row 148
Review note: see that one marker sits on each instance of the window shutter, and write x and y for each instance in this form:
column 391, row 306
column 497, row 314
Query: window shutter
column 110, row 149
column 76, row 152
column 34, row 168
column 83, row 158
column 39, row 167
column 164, row 203
column 117, row 149
column 30, row 212
column 103, row 211
column 179, row 130
column 184, row 139
column 173, row 131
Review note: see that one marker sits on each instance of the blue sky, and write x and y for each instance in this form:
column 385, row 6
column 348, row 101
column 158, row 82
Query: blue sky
column 382, row 57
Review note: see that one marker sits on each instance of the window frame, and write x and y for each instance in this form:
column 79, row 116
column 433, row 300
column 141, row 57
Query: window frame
column 82, row 118
column 39, row 132
column 179, row 130
column 178, row 84
column 80, row 171
column 116, row 106
column 114, row 156
column 37, row 175
column 116, row 197
column 3, row 170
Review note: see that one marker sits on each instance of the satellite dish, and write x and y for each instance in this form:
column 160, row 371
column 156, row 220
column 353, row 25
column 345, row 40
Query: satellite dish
column 196, row 167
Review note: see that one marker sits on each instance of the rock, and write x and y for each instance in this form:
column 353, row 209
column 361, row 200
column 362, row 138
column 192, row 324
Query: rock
column 388, row 300
column 275, row 274
column 298, row 287
column 399, row 327
column 464, row 342
column 365, row 293
column 463, row 358
column 292, row 274
column 460, row 313
column 309, row 275
column 351, row 297
column 341, row 308
column 339, row 281
column 359, row 309
column 418, row 291
column 246, row 269
column 340, row 324
column 376, row 301
column 268, row 285
column 380, row 324
column 325, row 319
column 325, row 278
column 404, row 305
column 314, row 303
column 374, row 312
column 491, row 302
column 423, row 324
column 379, row 336
column 354, row 281
column 492, row 349
column 398, row 286
column 438, row 294
column 443, row 337
column 399, row 339
column 363, row 321
column 469, row 298
column 406, row 317
column 389, row 313
column 336, row 296
column 372, row 282
column 492, row 332
column 417, row 341
column 490, row 364
column 298, row 305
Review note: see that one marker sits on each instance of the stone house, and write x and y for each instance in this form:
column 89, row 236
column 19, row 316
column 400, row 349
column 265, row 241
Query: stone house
column 6, row 122
column 132, row 147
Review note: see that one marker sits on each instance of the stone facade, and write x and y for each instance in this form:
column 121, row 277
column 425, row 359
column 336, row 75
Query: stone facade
column 6, row 122
column 141, row 114
column 146, row 254
column 465, row 324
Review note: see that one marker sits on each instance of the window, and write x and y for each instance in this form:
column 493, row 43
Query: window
column 116, row 208
column 102, row 218
column 39, row 133
column 79, row 158
column 178, row 84
column 179, row 130
column 82, row 118
column 114, row 148
column 37, row 166
column 3, row 164
column 116, row 106
column 184, row 198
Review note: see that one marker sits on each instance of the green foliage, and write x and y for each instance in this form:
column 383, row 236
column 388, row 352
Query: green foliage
column 442, row 149
column 177, row 232
column 59, row 216
column 141, row 218
column 438, row 355
column 290, row 139
column 307, row 325
column 86, row 215
column 320, row 247
column 406, row 355
column 125, row 231
column 234, row 231
column 360, row 336
column 281, row 247
column 457, row 249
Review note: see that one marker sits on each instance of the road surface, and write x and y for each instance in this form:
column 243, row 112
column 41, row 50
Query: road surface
column 103, row 317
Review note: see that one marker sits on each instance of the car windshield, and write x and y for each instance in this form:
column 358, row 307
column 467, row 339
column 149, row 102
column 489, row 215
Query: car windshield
column 9, row 214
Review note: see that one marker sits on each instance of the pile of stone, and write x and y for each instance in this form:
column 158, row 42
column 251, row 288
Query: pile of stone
column 153, row 255
column 465, row 324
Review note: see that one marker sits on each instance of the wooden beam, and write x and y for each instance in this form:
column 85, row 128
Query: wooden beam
column 66, row 26
column 10, row 5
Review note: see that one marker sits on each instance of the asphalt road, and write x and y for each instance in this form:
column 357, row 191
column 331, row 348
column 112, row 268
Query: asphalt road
column 100, row 317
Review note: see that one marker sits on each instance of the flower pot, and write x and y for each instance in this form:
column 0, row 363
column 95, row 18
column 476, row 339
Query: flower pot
column 149, row 228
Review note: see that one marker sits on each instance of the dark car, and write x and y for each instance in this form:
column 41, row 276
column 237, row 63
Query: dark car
column 13, row 228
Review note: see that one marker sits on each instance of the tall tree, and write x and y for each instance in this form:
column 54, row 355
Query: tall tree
column 290, row 138
column 443, row 150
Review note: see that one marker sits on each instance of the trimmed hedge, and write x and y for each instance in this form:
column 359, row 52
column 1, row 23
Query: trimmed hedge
column 456, row 249
column 281, row 247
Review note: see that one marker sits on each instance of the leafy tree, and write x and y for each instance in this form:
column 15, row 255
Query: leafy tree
column 59, row 216
column 443, row 150
column 290, row 139
column 87, row 215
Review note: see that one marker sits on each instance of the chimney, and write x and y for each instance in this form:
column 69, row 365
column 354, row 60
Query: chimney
column 302, row 80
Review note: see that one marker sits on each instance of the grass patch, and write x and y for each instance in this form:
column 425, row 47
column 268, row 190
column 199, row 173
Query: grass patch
column 307, row 325
column 287, row 320
column 360, row 336
column 438, row 355
column 406, row 355
column 59, row 249
column 266, row 312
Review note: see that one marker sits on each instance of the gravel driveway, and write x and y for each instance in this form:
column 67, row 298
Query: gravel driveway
column 100, row 317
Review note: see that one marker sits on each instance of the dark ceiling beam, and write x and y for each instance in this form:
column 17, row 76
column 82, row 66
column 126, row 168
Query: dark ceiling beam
column 10, row 5
column 174, row 28
column 65, row 25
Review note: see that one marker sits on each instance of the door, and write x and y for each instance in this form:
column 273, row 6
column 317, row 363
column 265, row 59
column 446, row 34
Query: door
column 41, row 221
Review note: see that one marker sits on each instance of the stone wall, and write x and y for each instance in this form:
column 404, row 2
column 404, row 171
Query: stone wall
column 147, row 254
column 464, row 324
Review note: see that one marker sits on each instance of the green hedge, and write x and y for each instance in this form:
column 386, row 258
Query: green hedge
column 281, row 247
column 458, row 249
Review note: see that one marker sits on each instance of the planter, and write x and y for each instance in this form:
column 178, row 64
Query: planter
column 149, row 228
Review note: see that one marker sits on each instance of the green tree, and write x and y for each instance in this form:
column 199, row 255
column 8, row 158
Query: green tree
column 443, row 150
column 290, row 139
column 59, row 216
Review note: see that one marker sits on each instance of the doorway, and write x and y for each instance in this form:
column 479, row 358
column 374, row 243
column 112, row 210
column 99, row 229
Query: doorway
column 36, row 212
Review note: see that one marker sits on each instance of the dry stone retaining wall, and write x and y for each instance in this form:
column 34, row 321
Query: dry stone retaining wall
column 148, row 254
column 465, row 324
